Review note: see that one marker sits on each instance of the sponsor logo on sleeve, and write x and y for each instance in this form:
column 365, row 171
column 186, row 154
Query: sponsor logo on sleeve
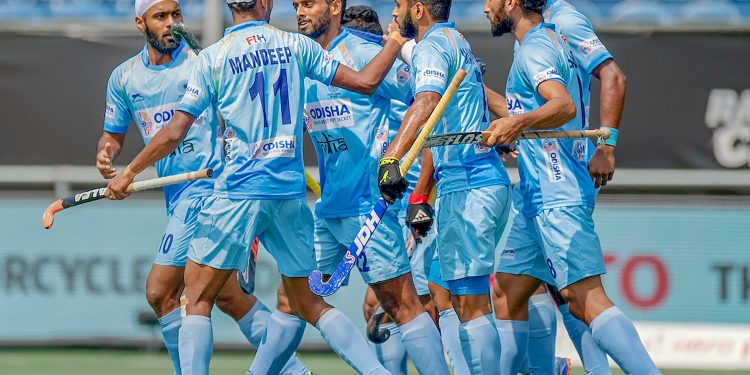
column 277, row 147
column 546, row 75
column 514, row 104
column 588, row 46
column 432, row 77
column 330, row 114
column 580, row 149
column 109, row 111
column 192, row 92
column 555, row 170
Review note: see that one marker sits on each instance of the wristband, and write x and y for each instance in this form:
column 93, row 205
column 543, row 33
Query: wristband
column 612, row 140
column 418, row 198
column 128, row 173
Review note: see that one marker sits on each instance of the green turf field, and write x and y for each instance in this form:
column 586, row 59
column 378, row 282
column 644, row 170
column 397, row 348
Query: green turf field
column 121, row 362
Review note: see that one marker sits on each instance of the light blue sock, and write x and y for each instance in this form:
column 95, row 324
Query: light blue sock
column 170, row 330
column 592, row 356
column 344, row 338
column 449, row 322
column 615, row 333
column 196, row 344
column 480, row 345
column 421, row 340
column 514, row 340
column 391, row 353
column 542, row 331
column 276, row 335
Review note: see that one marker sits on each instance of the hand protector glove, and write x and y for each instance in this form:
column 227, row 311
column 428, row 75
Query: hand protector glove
column 419, row 215
column 391, row 183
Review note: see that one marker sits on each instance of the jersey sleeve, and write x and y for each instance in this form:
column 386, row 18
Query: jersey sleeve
column 199, row 93
column 397, row 83
column 116, row 113
column 431, row 65
column 316, row 62
column 587, row 49
column 539, row 63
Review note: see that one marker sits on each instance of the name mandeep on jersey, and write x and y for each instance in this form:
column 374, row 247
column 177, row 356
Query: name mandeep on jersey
column 255, row 77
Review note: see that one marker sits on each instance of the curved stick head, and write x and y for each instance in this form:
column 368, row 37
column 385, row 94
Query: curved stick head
column 177, row 31
column 318, row 286
column 374, row 333
column 49, row 214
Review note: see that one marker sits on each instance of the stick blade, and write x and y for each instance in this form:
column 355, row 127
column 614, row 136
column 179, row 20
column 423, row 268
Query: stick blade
column 318, row 286
column 49, row 214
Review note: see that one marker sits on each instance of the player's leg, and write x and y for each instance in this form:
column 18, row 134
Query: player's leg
column 420, row 258
column 166, row 279
column 520, row 267
column 254, row 319
column 540, row 353
column 447, row 319
column 385, row 266
column 574, row 250
column 469, row 226
column 391, row 352
column 289, row 239
column 592, row 356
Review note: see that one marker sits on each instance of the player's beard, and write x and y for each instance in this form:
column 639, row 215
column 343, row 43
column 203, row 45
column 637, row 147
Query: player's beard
column 320, row 28
column 162, row 46
column 502, row 27
column 407, row 28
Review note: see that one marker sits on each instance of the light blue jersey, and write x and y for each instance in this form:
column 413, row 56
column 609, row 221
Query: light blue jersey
column 350, row 131
column 253, row 75
column 587, row 49
column 148, row 95
column 436, row 59
column 553, row 171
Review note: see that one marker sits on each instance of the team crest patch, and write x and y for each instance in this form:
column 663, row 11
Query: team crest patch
column 402, row 76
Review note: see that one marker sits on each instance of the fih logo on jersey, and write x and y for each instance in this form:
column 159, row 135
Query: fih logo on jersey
column 555, row 170
column 728, row 115
column 255, row 39
column 366, row 231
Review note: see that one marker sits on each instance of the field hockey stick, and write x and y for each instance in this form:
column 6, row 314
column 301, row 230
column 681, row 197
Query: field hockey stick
column 180, row 32
column 98, row 193
column 317, row 285
column 450, row 139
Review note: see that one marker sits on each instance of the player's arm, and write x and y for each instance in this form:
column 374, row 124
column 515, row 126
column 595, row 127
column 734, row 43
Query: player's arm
column 612, row 102
column 107, row 150
column 367, row 80
column 417, row 114
column 161, row 145
column 558, row 109
column 496, row 102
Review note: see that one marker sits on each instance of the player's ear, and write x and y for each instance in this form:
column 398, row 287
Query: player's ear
column 337, row 8
column 140, row 23
column 419, row 10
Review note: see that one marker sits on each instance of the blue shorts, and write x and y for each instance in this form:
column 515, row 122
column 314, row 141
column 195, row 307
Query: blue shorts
column 434, row 275
column 421, row 256
column 384, row 257
column 558, row 246
column 227, row 227
column 183, row 220
column 470, row 224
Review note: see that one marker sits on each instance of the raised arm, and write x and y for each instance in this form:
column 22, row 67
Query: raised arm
column 161, row 145
column 107, row 150
column 367, row 80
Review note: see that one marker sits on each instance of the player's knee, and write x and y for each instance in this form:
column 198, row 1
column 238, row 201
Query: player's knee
column 162, row 299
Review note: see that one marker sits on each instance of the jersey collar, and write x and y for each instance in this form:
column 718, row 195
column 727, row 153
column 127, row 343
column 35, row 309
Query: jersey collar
column 439, row 25
column 541, row 25
column 370, row 37
column 343, row 34
column 244, row 25
column 175, row 54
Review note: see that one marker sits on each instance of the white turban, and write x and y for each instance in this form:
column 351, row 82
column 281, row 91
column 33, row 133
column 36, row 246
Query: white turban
column 141, row 6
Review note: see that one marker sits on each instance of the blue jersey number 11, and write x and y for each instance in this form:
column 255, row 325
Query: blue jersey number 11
column 280, row 88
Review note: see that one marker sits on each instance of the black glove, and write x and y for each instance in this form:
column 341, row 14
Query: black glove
column 419, row 215
column 391, row 183
column 506, row 149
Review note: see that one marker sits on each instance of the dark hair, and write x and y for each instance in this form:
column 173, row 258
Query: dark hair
column 533, row 6
column 244, row 7
column 440, row 10
column 363, row 18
